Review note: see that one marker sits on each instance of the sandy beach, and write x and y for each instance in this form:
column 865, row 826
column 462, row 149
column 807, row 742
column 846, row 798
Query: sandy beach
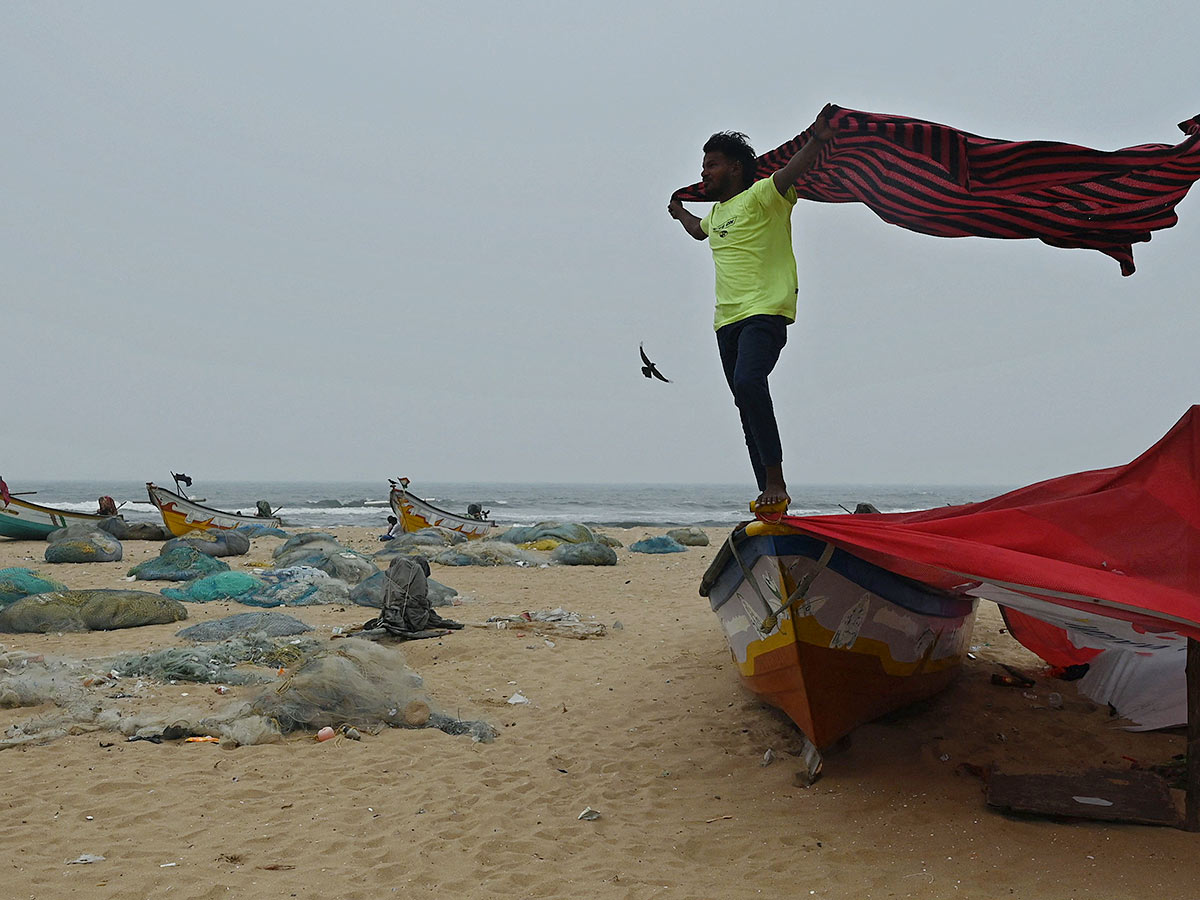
column 647, row 724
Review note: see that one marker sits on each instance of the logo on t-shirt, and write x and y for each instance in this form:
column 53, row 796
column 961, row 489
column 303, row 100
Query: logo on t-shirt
column 723, row 228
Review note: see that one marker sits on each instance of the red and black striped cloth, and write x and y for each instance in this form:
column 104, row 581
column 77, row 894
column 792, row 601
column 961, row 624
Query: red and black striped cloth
column 938, row 180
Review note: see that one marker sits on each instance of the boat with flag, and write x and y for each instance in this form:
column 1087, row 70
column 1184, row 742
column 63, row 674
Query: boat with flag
column 181, row 514
column 415, row 514
column 33, row 522
column 837, row 619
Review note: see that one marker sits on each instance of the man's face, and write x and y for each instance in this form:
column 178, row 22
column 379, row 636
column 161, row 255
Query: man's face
column 720, row 174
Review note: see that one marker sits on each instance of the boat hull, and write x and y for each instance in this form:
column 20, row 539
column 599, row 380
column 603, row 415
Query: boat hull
column 29, row 521
column 415, row 514
column 863, row 642
column 181, row 515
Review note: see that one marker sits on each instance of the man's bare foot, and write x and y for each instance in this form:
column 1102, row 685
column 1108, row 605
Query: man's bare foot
column 765, row 505
column 774, row 497
column 775, row 491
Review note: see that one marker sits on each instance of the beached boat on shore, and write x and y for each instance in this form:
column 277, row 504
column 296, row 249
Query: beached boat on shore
column 415, row 514
column 827, row 637
column 1096, row 572
column 182, row 515
column 31, row 521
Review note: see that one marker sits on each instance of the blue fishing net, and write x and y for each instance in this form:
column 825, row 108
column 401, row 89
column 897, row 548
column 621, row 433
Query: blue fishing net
column 180, row 564
column 17, row 583
column 658, row 544
column 297, row 586
column 222, row 586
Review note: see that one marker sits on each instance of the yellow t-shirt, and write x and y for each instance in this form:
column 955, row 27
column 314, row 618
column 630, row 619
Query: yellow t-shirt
column 751, row 240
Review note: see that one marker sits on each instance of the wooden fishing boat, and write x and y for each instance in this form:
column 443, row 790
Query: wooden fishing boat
column 182, row 515
column 415, row 514
column 30, row 521
column 827, row 637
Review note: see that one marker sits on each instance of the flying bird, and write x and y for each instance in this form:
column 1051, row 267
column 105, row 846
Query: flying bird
column 650, row 370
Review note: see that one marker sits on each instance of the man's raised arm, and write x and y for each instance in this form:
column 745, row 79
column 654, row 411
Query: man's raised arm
column 807, row 155
column 690, row 223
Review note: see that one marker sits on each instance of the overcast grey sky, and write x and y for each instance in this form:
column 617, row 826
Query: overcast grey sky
column 343, row 241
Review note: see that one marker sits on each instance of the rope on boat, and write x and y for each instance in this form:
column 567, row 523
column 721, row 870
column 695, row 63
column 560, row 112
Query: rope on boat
column 800, row 593
column 747, row 575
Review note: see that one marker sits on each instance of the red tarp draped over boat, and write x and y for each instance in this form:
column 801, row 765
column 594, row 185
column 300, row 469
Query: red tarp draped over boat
column 1101, row 560
column 1125, row 539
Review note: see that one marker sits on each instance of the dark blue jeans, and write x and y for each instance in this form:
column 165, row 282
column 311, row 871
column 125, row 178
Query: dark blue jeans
column 749, row 350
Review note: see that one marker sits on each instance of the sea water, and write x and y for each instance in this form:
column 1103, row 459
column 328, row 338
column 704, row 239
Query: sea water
column 317, row 505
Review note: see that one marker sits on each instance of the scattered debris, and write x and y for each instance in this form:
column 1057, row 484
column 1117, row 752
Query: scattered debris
column 552, row 621
column 810, row 758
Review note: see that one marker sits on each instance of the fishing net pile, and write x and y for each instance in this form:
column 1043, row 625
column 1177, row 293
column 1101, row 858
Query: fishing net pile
column 548, row 535
column 405, row 543
column 253, row 530
column 293, row 586
column 89, row 610
column 133, row 531
column 16, row 583
column 323, row 551
column 660, row 543
column 358, row 683
column 178, row 564
column 216, row 542
column 589, row 553
column 689, row 536
column 271, row 624
column 221, row 586
column 488, row 553
column 546, row 543
column 82, row 544
column 215, row 663
column 348, row 683
column 297, row 586
column 27, row 679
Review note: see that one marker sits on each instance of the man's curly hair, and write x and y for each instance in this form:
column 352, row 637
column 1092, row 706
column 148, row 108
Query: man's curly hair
column 735, row 146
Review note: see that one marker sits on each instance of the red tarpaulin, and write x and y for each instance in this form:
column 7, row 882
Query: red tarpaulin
column 1107, row 560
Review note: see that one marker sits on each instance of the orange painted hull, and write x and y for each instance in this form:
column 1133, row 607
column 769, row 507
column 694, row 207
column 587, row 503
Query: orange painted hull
column 828, row 693
column 860, row 644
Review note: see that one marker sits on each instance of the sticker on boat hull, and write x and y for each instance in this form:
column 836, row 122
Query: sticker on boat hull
column 851, row 624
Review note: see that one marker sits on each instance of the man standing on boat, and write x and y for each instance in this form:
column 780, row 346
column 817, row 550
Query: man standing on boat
column 750, row 231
